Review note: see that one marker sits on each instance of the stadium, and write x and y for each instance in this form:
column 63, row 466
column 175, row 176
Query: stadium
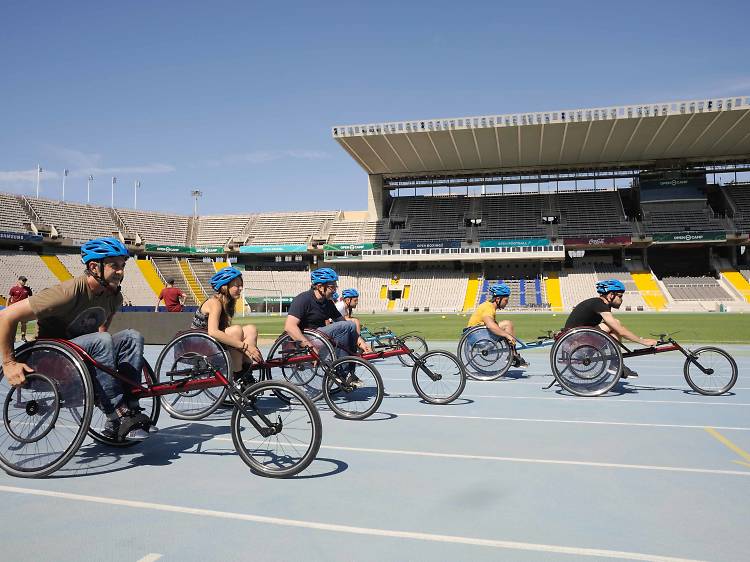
column 355, row 456
column 657, row 195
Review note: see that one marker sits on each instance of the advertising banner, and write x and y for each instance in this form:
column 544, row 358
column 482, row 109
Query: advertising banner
column 350, row 247
column 672, row 237
column 599, row 241
column 429, row 244
column 510, row 242
column 275, row 249
column 166, row 248
column 20, row 236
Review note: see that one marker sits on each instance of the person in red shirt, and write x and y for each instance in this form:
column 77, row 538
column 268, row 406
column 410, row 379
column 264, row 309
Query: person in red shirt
column 172, row 296
column 19, row 292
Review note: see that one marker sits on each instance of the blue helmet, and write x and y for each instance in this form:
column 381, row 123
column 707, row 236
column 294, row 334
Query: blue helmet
column 335, row 297
column 323, row 275
column 499, row 290
column 610, row 285
column 350, row 293
column 224, row 276
column 100, row 248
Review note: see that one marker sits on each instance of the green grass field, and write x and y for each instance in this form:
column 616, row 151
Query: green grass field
column 709, row 328
column 697, row 328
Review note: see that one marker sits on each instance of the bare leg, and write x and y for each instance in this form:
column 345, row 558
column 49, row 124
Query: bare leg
column 235, row 354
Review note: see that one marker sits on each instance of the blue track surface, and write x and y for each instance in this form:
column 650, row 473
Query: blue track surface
column 510, row 471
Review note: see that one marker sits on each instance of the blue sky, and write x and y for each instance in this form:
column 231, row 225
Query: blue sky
column 237, row 98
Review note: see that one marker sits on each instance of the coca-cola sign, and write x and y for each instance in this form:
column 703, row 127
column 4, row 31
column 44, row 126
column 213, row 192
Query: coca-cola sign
column 599, row 241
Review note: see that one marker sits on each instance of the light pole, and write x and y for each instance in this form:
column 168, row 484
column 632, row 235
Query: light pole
column 136, row 187
column 38, row 174
column 88, row 188
column 196, row 193
column 114, row 181
column 65, row 175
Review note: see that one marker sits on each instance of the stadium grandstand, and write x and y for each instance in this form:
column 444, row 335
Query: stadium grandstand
column 657, row 195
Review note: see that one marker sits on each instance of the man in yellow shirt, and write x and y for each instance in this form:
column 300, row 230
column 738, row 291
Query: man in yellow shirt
column 485, row 314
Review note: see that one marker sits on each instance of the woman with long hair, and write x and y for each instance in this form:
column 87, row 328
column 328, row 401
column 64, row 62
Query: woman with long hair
column 215, row 316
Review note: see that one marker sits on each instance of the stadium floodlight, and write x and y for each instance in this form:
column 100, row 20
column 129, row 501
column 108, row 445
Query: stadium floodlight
column 114, row 181
column 195, row 193
column 65, row 175
column 38, row 174
column 88, row 188
column 136, row 187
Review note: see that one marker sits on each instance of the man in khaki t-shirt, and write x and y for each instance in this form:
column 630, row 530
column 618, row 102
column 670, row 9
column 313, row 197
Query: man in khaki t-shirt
column 80, row 310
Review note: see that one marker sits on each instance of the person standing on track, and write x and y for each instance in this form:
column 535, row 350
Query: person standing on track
column 173, row 297
column 17, row 293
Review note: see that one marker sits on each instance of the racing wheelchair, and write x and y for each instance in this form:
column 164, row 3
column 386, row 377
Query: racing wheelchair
column 589, row 362
column 386, row 338
column 437, row 376
column 487, row 357
column 46, row 419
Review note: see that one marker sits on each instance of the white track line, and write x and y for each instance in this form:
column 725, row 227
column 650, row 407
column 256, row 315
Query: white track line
column 584, row 422
column 469, row 541
column 510, row 459
column 549, row 378
column 583, row 400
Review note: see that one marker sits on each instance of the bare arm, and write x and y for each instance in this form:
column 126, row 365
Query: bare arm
column 9, row 319
column 291, row 327
column 156, row 308
column 492, row 326
column 214, row 313
column 618, row 328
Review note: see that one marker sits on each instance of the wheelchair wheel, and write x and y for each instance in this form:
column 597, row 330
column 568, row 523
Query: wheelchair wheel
column 307, row 375
column 720, row 375
column 438, row 377
column 485, row 356
column 45, row 420
column 418, row 347
column 350, row 401
column 193, row 355
column 151, row 408
column 276, row 438
column 586, row 362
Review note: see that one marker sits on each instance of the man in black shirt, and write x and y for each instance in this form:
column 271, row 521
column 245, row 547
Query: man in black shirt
column 315, row 309
column 597, row 313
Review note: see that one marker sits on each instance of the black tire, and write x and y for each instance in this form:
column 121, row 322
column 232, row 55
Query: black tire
column 346, row 401
column 307, row 375
column 59, row 417
column 586, row 362
column 418, row 347
column 151, row 408
column 723, row 376
column 485, row 356
column 306, row 432
column 449, row 371
column 193, row 354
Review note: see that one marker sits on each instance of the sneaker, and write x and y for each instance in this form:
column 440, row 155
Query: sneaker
column 628, row 372
column 354, row 381
column 520, row 362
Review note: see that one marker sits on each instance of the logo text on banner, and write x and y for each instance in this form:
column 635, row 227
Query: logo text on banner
column 514, row 242
column 350, row 247
column 429, row 244
column 710, row 236
column 20, row 236
column 599, row 241
column 274, row 249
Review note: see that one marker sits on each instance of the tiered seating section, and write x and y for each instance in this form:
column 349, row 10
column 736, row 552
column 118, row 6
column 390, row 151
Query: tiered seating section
column 591, row 214
column 31, row 266
column 512, row 216
column 218, row 230
column 12, row 215
column 740, row 194
column 679, row 217
column 75, row 221
column 288, row 228
column 431, row 218
column 696, row 289
column 156, row 228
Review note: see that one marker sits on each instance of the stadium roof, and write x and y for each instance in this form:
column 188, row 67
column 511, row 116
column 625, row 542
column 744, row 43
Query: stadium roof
column 700, row 132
